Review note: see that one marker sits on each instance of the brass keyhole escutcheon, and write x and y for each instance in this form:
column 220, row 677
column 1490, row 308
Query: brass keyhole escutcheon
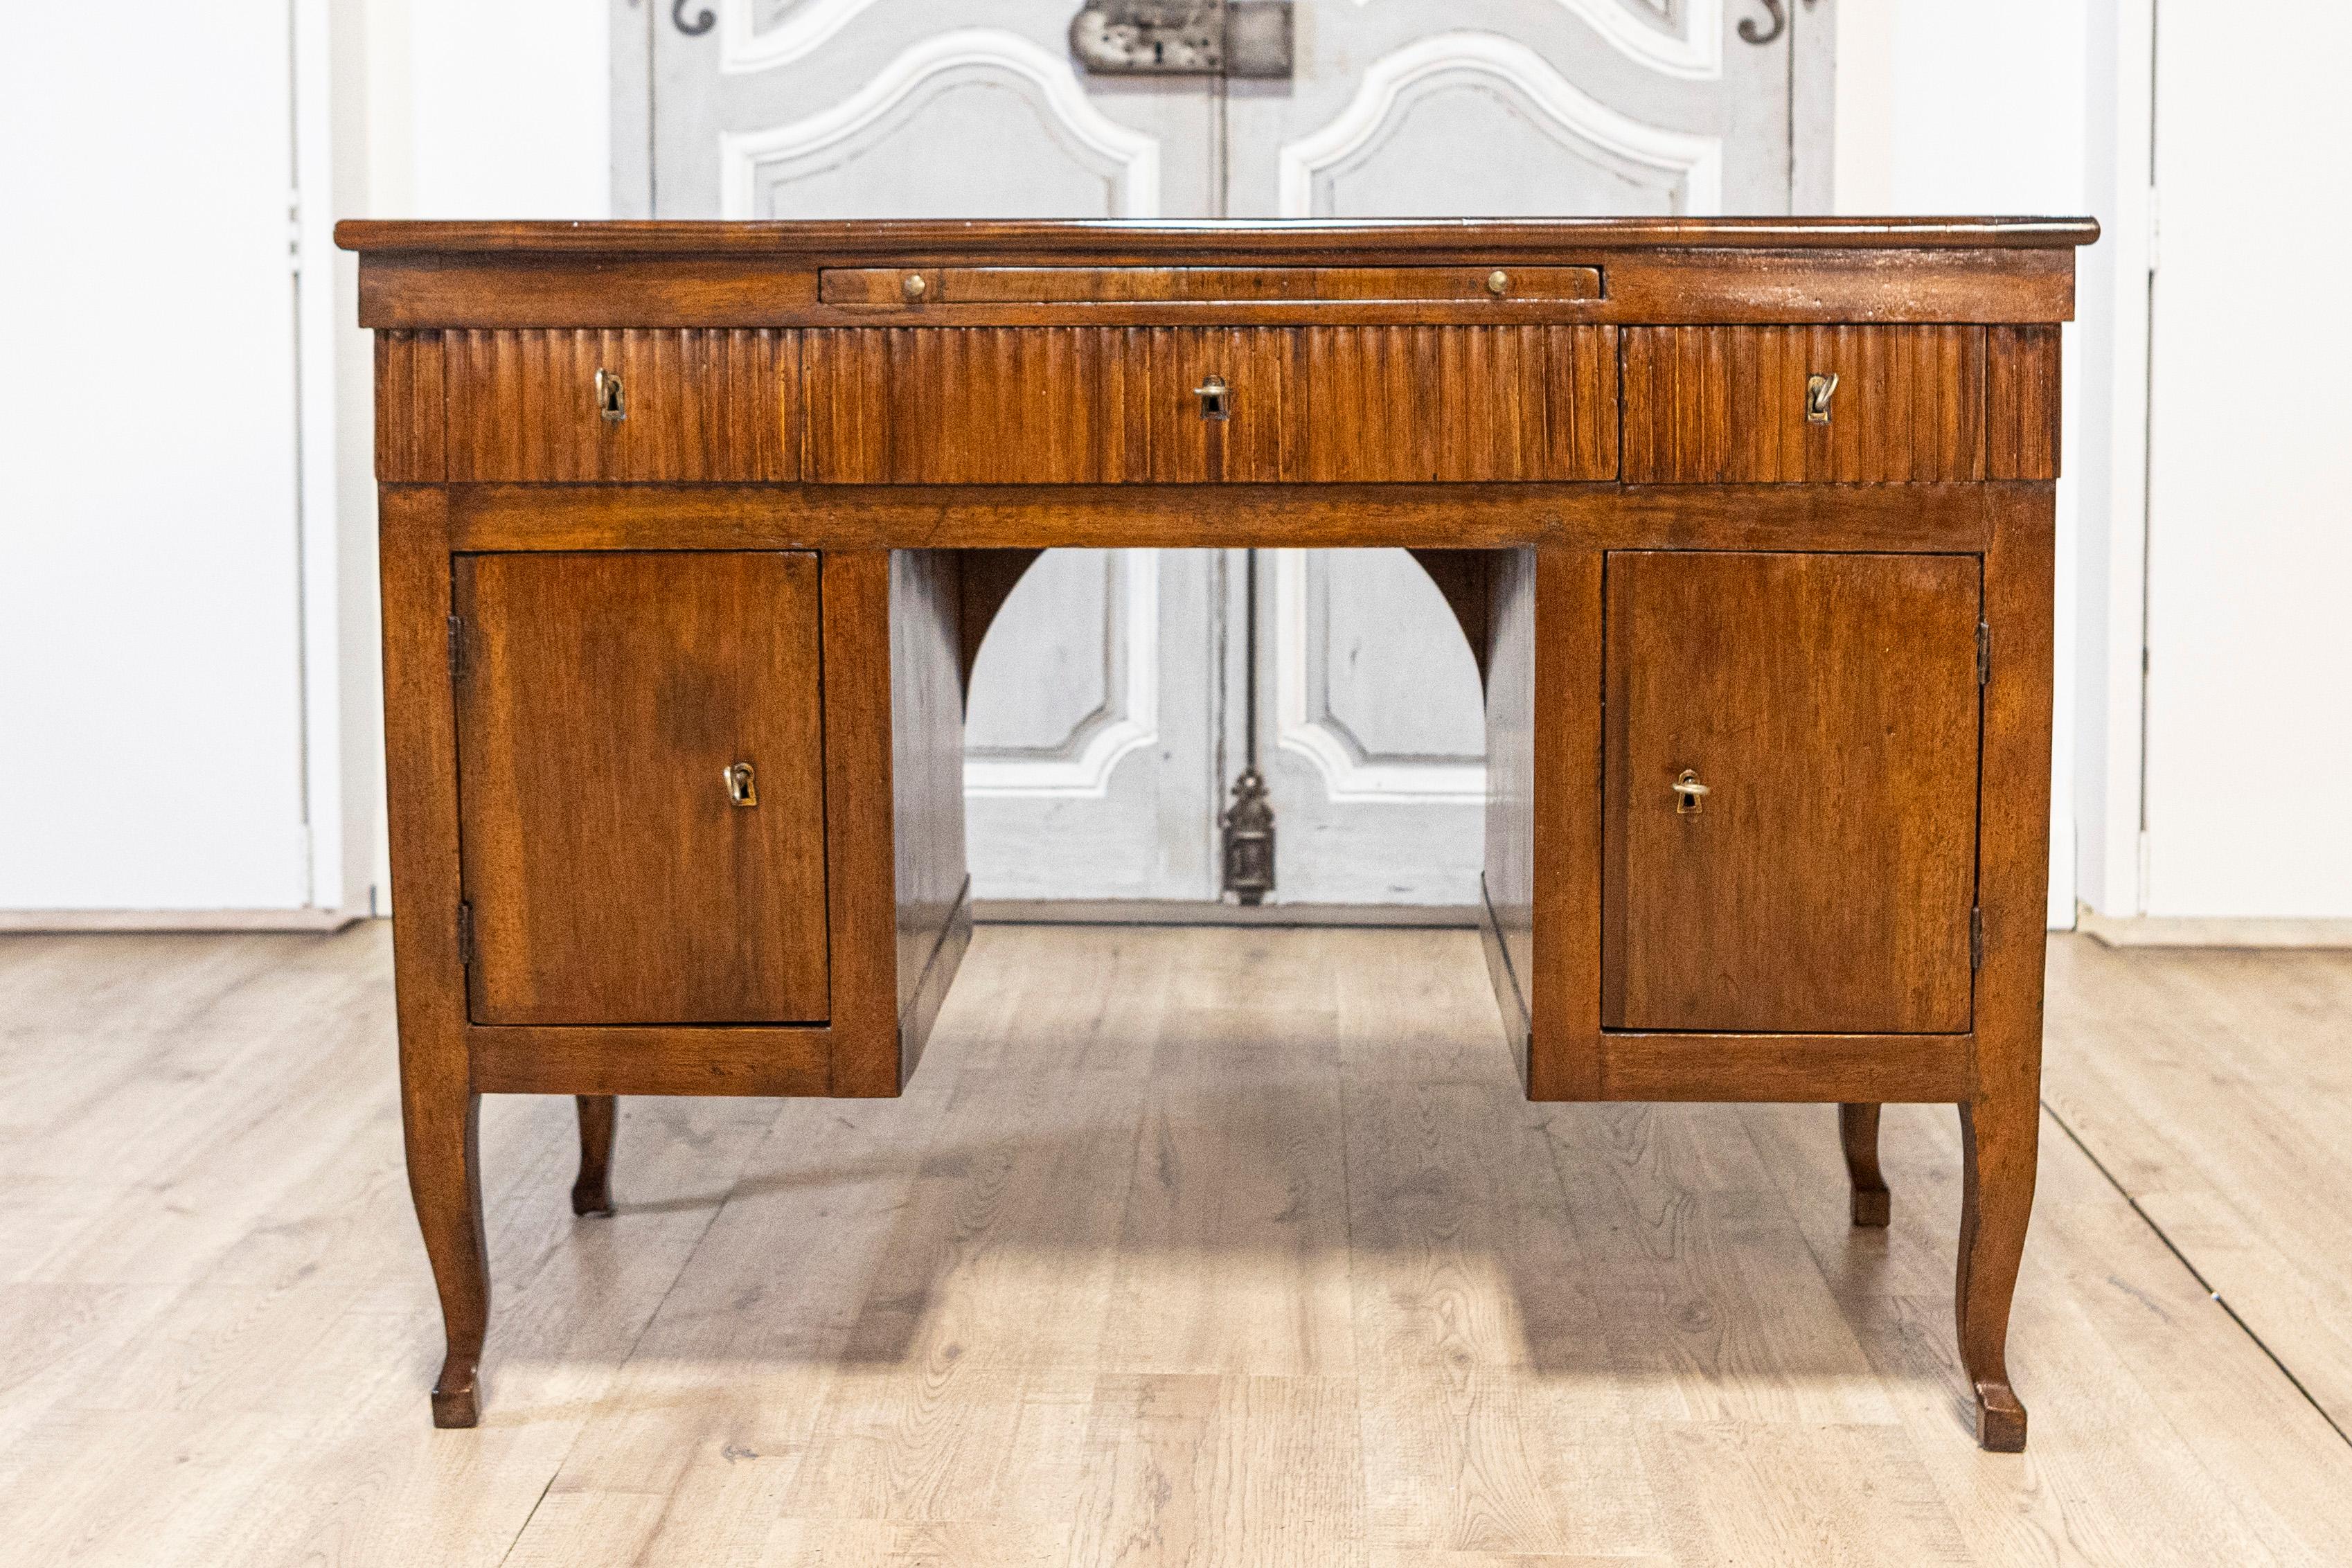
column 1216, row 398
column 741, row 789
column 915, row 285
column 1689, row 794
column 1818, row 390
column 610, row 404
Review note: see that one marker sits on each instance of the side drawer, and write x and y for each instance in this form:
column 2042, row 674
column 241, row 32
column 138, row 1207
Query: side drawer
column 1730, row 404
column 586, row 406
column 944, row 406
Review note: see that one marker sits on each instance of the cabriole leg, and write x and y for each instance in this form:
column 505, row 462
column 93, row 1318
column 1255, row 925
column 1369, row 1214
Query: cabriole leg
column 1858, row 1130
column 593, row 1192
column 441, row 1117
column 1999, row 1138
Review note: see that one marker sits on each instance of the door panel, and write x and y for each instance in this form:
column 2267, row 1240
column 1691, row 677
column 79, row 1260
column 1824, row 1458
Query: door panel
column 1829, row 706
column 602, row 699
column 887, row 109
column 1089, row 771
column 1500, row 107
column 804, row 109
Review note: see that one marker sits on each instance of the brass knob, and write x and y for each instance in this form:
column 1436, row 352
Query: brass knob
column 741, row 790
column 1499, row 283
column 1688, row 793
column 915, row 287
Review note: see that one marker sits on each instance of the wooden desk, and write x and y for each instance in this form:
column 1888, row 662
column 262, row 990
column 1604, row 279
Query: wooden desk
column 691, row 533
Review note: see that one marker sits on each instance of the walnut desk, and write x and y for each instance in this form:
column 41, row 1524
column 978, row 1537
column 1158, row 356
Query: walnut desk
column 691, row 533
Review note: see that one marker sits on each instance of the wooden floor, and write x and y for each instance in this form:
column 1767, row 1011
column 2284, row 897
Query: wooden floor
column 1186, row 1246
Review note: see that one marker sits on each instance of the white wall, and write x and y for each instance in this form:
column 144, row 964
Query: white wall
column 2249, row 481
column 152, row 734
column 491, row 109
column 1979, row 108
column 444, row 109
column 2110, row 455
column 190, row 697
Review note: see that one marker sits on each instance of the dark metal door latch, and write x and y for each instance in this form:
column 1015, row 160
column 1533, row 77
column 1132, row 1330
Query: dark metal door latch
column 1183, row 38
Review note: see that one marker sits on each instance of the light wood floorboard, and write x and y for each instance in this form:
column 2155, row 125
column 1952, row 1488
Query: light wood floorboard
column 1185, row 1247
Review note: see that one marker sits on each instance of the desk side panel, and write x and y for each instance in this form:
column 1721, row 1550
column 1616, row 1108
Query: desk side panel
column 1507, row 915
column 934, row 906
column 859, row 804
column 1564, row 1048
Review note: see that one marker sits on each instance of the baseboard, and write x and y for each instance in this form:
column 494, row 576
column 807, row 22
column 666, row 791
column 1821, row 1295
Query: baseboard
column 2167, row 931
column 1172, row 912
column 69, row 922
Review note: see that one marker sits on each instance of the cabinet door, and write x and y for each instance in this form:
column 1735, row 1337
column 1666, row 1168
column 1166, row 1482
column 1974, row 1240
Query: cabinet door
column 613, row 876
column 1828, row 706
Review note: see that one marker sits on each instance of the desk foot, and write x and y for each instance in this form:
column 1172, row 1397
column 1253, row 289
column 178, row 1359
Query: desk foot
column 2001, row 1419
column 441, row 1120
column 1858, row 1130
column 2000, row 1140
column 457, row 1400
column 593, row 1192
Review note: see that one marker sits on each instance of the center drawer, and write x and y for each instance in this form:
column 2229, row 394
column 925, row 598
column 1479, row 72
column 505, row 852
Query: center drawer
column 1203, row 405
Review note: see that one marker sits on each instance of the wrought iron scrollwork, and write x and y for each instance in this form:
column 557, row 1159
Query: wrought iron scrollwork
column 704, row 20
column 1775, row 9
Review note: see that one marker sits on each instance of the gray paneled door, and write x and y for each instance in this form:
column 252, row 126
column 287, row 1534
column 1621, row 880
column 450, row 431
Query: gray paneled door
column 1107, row 717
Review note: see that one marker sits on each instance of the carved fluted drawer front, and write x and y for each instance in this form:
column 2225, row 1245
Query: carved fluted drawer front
column 1824, row 404
column 1193, row 405
column 1041, row 405
column 1455, row 404
column 586, row 406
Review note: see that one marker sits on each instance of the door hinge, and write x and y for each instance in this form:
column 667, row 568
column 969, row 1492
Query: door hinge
column 1984, row 654
column 464, row 933
column 1976, row 939
column 456, row 648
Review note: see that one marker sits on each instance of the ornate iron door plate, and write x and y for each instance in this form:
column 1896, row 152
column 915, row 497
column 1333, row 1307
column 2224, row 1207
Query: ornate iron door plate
column 1183, row 38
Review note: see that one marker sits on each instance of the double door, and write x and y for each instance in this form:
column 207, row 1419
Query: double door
column 1122, row 693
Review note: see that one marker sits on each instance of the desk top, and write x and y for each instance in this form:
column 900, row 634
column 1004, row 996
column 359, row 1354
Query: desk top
column 1128, row 239
column 1598, row 271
